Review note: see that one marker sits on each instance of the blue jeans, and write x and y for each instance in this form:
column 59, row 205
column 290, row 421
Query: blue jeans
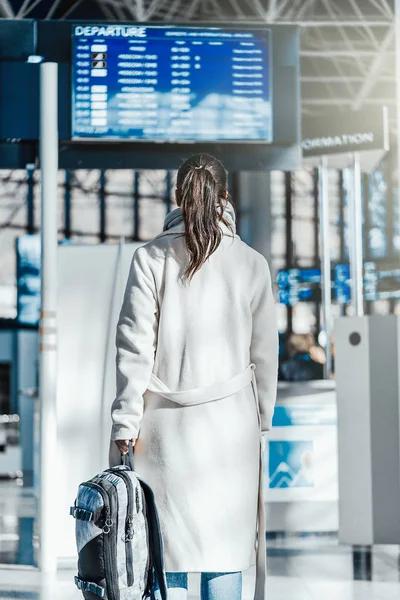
column 213, row 586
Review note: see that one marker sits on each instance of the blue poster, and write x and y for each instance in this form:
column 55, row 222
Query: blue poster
column 289, row 415
column 290, row 464
column 28, row 279
column 171, row 83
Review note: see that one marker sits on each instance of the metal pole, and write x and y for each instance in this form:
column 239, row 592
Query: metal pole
column 67, row 205
column 341, row 218
column 389, row 167
column 102, row 197
column 343, row 257
column 136, row 208
column 289, row 240
column 365, row 237
column 326, row 288
column 168, row 191
column 48, row 499
column 397, row 36
column 234, row 179
column 315, row 193
column 30, row 170
column 355, row 239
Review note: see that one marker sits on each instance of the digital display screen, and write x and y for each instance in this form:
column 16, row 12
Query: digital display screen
column 381, row 283
column 304, row 285
column 342, row 283
column 299, row 285
column 171, row 84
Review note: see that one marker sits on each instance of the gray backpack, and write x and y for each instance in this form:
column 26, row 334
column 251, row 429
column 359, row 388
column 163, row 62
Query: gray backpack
column 118, row 538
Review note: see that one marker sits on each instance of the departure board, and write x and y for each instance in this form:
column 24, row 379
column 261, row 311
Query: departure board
column 171, row 84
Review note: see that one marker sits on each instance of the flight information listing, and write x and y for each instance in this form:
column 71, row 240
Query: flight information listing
column 172, row 84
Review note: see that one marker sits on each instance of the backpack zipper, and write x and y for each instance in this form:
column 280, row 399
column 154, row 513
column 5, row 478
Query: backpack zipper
column 129, row 532
column 137, row 499
column 110, row 541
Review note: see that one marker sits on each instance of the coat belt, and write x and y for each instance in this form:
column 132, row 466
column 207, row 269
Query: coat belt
column 210, row 393
column 206, row 393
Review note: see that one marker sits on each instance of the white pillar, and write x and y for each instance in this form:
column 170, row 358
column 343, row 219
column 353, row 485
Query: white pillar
column 255, row 203
column 325, row 261
column 355, row 239
column 48, row 323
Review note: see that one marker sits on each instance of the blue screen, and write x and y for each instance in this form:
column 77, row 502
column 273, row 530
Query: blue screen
column 168, row 83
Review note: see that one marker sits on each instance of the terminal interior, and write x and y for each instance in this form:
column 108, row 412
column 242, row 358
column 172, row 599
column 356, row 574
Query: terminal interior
column 319, row 199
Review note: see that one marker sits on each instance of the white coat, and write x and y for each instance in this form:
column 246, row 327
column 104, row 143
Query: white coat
column 180, row 345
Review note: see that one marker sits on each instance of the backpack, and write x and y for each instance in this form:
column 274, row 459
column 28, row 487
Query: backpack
column 118, row 537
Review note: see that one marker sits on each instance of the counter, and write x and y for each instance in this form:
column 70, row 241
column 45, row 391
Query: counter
column 301, row 459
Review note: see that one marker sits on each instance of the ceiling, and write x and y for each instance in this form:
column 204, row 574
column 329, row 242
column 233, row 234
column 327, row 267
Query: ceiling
column 347, row 46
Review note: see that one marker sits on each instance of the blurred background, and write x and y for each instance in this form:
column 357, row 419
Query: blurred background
column 321, row 203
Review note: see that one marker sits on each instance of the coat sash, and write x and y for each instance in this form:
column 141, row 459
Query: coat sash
column 210, row 393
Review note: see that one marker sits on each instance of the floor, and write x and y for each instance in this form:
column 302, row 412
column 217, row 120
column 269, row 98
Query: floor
column 311, row 567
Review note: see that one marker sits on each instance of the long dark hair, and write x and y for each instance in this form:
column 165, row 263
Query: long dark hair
column 202, row 196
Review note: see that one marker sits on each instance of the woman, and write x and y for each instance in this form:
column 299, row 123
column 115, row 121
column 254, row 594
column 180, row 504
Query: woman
column 306, row 359
column 198, row 317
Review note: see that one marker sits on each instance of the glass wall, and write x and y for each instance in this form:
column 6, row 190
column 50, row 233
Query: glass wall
column 93, row 207
column 104, row 206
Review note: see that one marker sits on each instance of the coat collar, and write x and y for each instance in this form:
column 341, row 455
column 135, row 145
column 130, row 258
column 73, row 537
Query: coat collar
column 174, row 223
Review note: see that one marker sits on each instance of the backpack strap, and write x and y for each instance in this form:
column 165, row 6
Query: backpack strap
column 89, row 586
column 156, row 543
column 85, row 515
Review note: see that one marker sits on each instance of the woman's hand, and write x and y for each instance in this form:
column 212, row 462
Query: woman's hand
column 123, row 445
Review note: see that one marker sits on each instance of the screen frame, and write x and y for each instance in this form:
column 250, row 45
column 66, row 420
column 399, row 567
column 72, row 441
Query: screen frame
column 169, row 141
column 53, row 42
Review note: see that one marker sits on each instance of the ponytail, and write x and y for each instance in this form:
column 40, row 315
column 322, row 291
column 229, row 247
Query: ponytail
column 201, row 186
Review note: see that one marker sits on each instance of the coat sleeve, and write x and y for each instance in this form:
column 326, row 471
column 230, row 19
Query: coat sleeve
column 265, row 346
column 136, row 341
